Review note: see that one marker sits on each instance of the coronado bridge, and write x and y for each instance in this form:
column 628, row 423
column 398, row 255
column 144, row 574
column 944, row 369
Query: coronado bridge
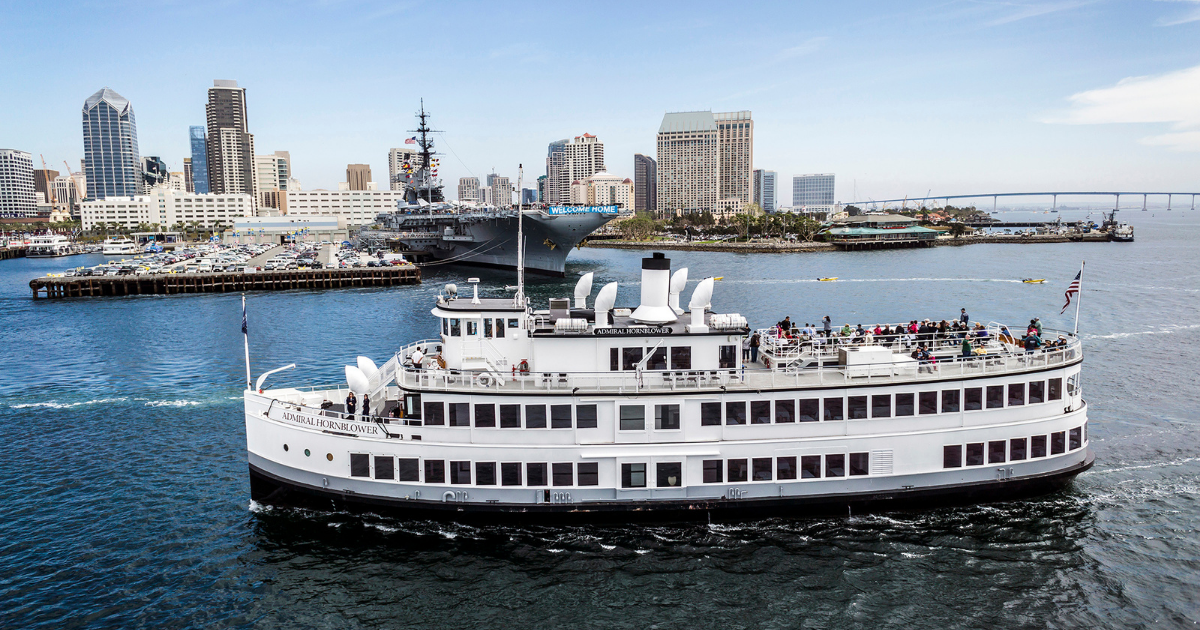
column 1054, row 195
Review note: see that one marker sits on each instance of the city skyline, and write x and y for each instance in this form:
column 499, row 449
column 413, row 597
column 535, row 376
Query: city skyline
column 957, row 97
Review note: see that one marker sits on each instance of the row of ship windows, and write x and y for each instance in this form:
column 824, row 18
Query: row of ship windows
column 1014, row 450
column 455, row 327
column 667, row 416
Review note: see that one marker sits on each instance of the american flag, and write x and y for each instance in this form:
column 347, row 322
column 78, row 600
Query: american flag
column 1072, row 290
column 412, row 140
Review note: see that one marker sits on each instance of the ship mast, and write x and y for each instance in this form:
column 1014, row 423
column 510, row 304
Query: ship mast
column 424, row 174
column 520, row 297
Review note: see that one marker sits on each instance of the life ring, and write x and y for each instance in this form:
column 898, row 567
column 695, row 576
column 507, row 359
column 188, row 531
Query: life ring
column 485, row 380
column 523, row 366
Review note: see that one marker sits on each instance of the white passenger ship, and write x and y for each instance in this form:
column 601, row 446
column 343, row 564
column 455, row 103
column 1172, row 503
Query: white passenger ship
column 652, row 413
column 51, row 246
column 120, row 246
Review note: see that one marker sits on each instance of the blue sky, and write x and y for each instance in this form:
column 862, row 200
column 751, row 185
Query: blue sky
column 896, row 98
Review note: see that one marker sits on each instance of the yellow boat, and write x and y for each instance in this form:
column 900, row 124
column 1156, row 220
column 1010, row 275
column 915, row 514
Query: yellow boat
column 827, row 279
column 1033, row 280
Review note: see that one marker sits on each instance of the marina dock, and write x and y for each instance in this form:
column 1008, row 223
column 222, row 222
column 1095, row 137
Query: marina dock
column 13, row 252
column 171, row 284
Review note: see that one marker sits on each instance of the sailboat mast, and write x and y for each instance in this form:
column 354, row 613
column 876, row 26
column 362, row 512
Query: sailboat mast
column 520, row 297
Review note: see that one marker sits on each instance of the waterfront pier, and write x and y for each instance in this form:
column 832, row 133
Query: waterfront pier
column 13, row 252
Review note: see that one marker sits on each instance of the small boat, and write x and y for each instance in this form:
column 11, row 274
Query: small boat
column 1033, row 280
column 827, row 279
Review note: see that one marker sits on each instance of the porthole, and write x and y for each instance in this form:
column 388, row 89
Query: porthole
column 285, row 448
column 329, row 456
column 307, row 453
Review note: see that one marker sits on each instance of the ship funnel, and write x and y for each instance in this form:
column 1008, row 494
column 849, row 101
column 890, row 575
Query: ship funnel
column 368, row 367
column 605, row 299
column 678, row 282
column 356, row 380
column 656, row 281
column 701, row 301
column 583, row 289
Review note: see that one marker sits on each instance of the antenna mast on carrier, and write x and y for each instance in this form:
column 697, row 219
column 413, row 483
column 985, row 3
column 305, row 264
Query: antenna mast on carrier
column 424, row 185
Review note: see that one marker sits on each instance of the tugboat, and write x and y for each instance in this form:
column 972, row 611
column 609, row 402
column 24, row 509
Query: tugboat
column 1117, row 232
column 587, row 411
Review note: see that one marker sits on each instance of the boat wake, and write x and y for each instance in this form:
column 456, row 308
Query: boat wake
column 1167, row 330
column 57, row 405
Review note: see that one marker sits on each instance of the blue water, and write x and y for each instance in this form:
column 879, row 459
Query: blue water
column 126, row 501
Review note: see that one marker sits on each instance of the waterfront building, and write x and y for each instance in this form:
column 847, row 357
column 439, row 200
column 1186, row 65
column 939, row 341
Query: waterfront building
column 189, row 178
column 569, row 161
column 176, row 181
column 764, row 189
column 813, row 193
column 230, row 146
column 167, row 208
column 17, row 196
column 485, row 196
column 356, row 207
column 271, row 176
column 645, row 183
column 468, row 189
column 398, row 175
column 688, row 163
column 358, row 176
column 541, row 188
column 43, row 181
column 736, row 149
column 502, row 191
column 154, row 173
column 110, row 148
column 277, row 229
column 66, row 192
column 199, row 159
column 604, row 189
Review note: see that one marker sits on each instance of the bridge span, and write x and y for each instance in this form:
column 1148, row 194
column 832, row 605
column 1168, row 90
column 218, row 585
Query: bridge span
column 1053, row 194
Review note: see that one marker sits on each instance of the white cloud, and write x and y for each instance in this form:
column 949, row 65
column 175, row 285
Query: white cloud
column 1172, row 98
column 1021, row 10
column 807, row 48
column 1191, row 15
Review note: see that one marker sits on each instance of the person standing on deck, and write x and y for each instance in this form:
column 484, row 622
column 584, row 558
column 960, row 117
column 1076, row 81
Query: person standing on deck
column 746, row 349
column 963, row 317
column 366, row 408
column 967, row 350
column 351, row 403
column 1037, row 325
column 754, row 343
column 828, row 326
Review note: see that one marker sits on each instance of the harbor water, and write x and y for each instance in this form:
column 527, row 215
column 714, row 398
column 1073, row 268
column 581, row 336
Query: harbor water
column 125, row 496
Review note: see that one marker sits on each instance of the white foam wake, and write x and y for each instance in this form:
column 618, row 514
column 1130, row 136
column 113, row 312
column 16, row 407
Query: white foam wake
column 57, row 405
column 1166, row 330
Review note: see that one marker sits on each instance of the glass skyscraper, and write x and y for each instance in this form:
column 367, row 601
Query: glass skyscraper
column 812, row 193
column 199, row 159
column 110, row 147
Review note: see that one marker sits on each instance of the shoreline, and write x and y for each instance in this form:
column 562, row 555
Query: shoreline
column 779, row 248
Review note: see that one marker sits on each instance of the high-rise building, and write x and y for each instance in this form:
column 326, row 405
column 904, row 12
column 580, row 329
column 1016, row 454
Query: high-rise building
column 468, row 189
column 67, row 194
column 358, row 175
column 688, row 163
column 110, row 148
column 43, row 181
column 397, row 159
column 645, row 183
column 812, row 193
column 199, row 159
column 604, row 189
column 154, row 173
column 271, row 174
column 528, row 196
column 17, row 196
column 764, row 189
column 230, row 146
column 189, row 179
column 177, row 182
column 501, row 191
column 541, row 188
column 736, row 132
column 569, row 161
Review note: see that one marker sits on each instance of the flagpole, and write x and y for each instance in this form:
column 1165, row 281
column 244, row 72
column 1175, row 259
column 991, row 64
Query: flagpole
column 246, row 340
column 1079, row 296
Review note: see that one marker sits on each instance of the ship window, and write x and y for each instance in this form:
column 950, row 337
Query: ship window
column 445, row 326
column 485, row 415
column 630, row 357
column 510, row 474
column 589, row 474
column 412, row 406
column 563, row 474
column 1037, row 446
column 614, row 359
column 1058, row 442
column 760, row 412
column 858, row 407
column 460, row 414
column 904, row 404
column 785, row 468
column 384, row 467
column 633, row 475
column 472, row 328
column 360, row 465
column 535, row 474
column 974, row 399
column 585, row 417
column 435, row 471
column 535, row 416
column 460, row 472
column 681, row 358
column 810, row 467
column 785, row 411
column 408, row 470
column 712, row 471
column 1037, row 392
column 833, row 409
column 952, row 456
column 995, row 396
column 881, row 406
column 560, row 416
column 500, row 328
column 487, row 328
column 666, row 417
column 975, row 454
column 485, row 473
column 1073, row 385
column 510, row 416
column 669, row 474
column 710, row 414
column 1076, row 438
column 950, row 400
column 727, row 357
column 514, row 323
column 760, row 468
column 633, row 417
column 1056, row 389
column 1016, row 394
column 860, row 464
column 926, row 403
column 737, row 470
column 435, row 413
column 455, row 330
column 658, row 360
column 835, row 465
column 996, row 452
column 1016, row 449
column 735, row 412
